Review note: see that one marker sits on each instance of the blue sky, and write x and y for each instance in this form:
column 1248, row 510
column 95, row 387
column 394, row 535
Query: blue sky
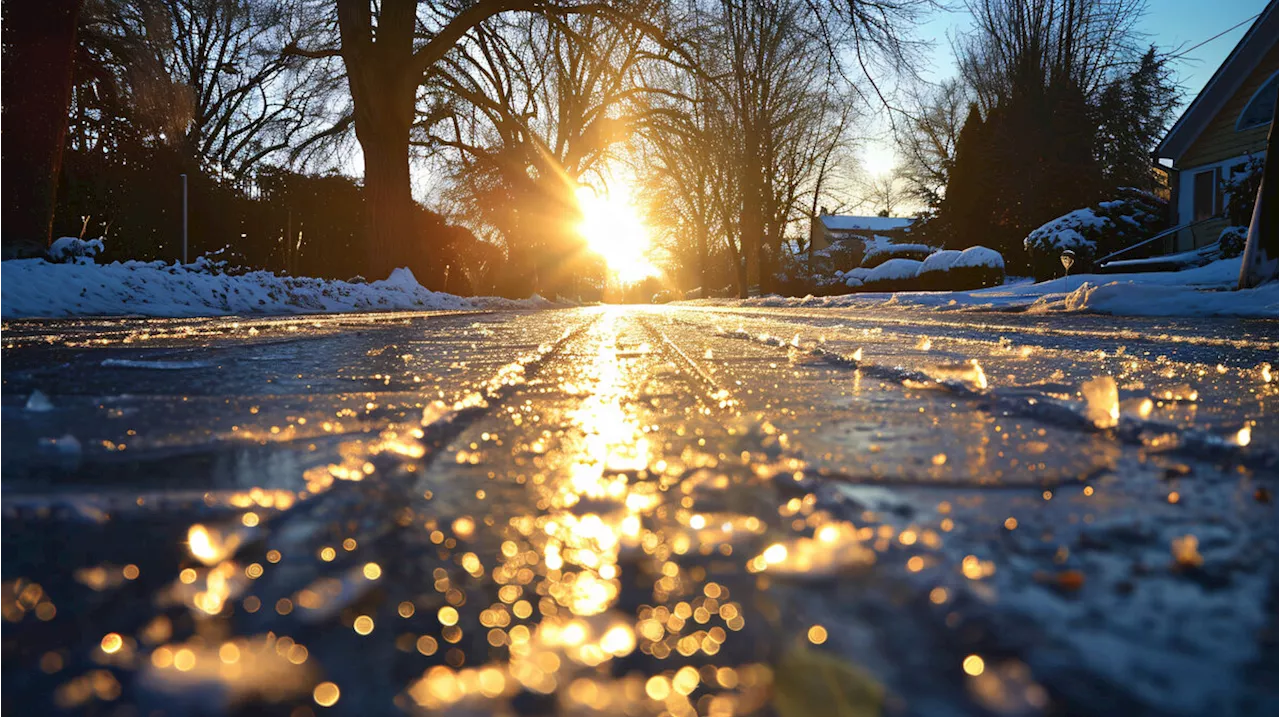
column 1169, row 24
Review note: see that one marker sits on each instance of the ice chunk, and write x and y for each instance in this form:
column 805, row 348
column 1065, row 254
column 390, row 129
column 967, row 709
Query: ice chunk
column 1102, row 401
column 38, row 402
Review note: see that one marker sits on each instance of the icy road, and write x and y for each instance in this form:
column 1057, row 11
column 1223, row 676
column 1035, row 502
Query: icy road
column 641, row 510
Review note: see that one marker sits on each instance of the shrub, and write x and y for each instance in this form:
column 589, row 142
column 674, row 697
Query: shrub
column 974, row 268
column 933, row 270
column 892, row 275
column 880, row 253
column 73, row 250
column 1093, row 232
column 1240, row 190
column 1232, row 240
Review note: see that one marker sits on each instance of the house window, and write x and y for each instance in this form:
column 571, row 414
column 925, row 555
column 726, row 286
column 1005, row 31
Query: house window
column 1204, row 194
column 1261, row 107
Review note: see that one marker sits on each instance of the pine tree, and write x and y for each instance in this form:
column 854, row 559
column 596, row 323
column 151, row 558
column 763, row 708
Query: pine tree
column 965, row 210
column 1134, row 111
column 39, row 51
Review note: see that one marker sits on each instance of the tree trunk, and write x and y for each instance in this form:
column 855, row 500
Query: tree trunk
column 383, row 82
column 39, row 51
column 752, row 231
column 389, row 202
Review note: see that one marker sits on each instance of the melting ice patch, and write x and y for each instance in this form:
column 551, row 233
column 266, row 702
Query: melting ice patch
column 162, row 365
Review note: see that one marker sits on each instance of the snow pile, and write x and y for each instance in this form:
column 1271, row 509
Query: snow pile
column 1203, row 291
column 37, row 288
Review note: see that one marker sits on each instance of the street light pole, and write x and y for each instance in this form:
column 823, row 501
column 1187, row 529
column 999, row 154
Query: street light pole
column 184, row 218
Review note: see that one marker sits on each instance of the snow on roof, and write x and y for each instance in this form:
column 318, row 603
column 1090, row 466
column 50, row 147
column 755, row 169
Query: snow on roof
column 848, row 222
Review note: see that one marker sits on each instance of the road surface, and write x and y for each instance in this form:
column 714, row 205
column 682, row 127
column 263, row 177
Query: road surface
column 638, row 510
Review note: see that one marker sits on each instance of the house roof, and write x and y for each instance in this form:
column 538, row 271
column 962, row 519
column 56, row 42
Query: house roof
column 1252, row 50
column 848, row 222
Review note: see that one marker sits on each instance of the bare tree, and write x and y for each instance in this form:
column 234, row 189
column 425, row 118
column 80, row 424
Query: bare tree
column 926, row 140
column 526, row 112
column 763, row 119
column 204, row 75
column 389, row 47
column 1021, row 44
column 883, row 194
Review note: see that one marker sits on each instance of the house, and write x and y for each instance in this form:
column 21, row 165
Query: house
column 1221, row 130
column 827, row 229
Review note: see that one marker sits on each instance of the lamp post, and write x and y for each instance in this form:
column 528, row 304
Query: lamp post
column 184, row 218
column 1068, row 258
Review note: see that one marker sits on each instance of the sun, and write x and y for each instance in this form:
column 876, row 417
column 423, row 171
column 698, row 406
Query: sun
column 878, row 160
column 613, row 229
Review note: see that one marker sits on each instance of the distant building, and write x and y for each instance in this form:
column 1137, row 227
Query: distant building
column 1220, row 131
column 827, row 229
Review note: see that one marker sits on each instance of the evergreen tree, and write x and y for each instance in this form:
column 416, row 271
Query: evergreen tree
column 1134, row 111
column 965, row 210
column 39, row 46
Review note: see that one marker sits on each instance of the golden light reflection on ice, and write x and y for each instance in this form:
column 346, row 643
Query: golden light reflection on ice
column 835, row 546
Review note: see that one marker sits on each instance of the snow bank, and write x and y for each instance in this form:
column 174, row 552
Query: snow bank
column 1204, row 291
column 37, row 288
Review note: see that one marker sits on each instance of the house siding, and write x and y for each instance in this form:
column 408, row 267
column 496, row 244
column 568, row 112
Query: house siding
column 1218, row 147
column 1220, row 140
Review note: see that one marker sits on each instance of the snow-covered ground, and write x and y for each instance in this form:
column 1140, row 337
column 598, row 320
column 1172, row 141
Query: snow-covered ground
column 1204, row 291
column 37, row 288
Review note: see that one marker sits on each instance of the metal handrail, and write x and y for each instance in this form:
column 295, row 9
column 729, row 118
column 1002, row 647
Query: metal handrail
column 1161, row 235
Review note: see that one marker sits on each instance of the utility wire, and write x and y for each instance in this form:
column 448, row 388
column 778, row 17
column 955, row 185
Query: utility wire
column 1206, row 42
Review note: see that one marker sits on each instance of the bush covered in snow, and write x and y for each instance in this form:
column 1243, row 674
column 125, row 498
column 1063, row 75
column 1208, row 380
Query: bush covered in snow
column 1232, row 240
column 1094, row 232
column 951, row 270
column 934, row 269
column 892, row 275
column 879, row 253
column 73, row 250
column 1240, row 190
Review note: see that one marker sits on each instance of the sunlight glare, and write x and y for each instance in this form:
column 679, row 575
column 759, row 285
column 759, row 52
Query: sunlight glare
column 878, row 160
column 613, row 230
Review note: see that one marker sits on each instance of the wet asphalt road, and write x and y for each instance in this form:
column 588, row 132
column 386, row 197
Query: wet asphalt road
column 632, row 510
